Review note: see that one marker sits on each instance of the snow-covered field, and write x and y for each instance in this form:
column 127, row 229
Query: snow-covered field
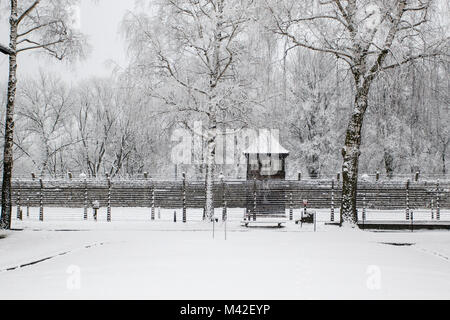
column 133, row 257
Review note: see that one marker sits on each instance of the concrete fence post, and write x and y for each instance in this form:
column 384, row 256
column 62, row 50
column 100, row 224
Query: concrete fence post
column 364, row 213
column 108, row 213
column 225, row 219
column 41, row 200
column 153, row 201
column 438, row 200
column 254, row 199
column 432, row 209
column 224, row 203
column 407, row 200
column 332, row 201
column 184, row 199
column 28, row 207
column 204, row 207
column 291, row 207
column 19, row 209
column 85, row 213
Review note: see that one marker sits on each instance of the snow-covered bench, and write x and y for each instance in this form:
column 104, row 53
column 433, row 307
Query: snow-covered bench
column 264, row 222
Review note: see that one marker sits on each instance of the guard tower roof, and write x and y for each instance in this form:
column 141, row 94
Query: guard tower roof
column 265, row 143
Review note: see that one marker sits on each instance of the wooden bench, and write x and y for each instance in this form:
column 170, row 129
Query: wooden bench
column 404, row 224
column 265, row 220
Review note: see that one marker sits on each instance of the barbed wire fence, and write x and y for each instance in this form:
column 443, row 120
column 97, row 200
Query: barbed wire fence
column 427, row 195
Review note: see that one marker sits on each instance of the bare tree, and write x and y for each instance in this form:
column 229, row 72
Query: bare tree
column 44, row 106
column 191, row 51
column 34, row 25
column 371, row 37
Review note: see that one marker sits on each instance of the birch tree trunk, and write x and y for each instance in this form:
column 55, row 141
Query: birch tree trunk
column 9, row 122
column 350, row 154
column 212, row 128
column 210, row 168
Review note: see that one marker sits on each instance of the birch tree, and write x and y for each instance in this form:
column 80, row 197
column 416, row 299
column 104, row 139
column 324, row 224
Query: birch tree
column 371, row 37
column 191, row 53
column 35, row 25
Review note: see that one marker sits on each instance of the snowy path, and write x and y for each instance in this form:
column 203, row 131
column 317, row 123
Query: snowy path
column 138, row 260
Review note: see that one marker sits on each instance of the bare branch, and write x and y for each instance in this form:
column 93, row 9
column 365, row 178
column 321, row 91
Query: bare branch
column 6, row 50
column 28, row 11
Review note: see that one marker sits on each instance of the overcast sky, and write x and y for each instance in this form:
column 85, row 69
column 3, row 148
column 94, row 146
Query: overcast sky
column 100, row 21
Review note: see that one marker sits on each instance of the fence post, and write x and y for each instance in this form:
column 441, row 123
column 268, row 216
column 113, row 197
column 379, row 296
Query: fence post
column 407, row 200
column 300, row 176
column 332, row 201
column 364, row 213
column 315, row 221
column 19, row 209
column 184, row 198
column 41, row 200
column 378, row 176
column 254, row 199
column 152, row 197
column 224, row 203
column 226, row 218
column 291, row 208
column 432, row 209
column 153, row 202
column 204, row 207
column 28, row 207
column 85, row 215
column 417, row 176
column 438, row 204
column 108, row 215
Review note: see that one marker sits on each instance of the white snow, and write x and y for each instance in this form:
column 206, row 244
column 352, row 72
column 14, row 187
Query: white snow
column 133, row 257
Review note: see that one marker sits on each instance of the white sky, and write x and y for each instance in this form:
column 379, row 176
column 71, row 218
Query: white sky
column 100, row 21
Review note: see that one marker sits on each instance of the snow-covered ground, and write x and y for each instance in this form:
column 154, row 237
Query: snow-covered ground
column 133, row 257
column 70, row 216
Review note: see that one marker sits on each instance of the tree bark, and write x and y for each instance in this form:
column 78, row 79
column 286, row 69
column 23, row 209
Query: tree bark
column 8, row 159
column 351, row 153
column 210, row 168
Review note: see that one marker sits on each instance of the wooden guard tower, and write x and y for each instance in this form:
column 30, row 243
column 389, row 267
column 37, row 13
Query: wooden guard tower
column 266, row 164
